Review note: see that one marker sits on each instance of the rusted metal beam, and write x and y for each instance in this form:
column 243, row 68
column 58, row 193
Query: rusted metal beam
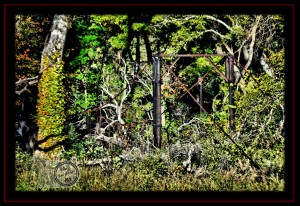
column 186, row 89
column 241, row 66
column 190, row 55
column 171, row 66
column 229, row 64
column 199, row 81
column 221, row 74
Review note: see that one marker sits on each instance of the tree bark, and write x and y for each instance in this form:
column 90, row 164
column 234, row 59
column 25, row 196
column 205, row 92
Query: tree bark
column 56, row 42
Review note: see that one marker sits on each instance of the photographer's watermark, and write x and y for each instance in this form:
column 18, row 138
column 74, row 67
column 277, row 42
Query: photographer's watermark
column 66, row 173
column 55, row 174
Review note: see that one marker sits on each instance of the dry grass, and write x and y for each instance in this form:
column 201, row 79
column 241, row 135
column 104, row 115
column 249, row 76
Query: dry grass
column 126, row 179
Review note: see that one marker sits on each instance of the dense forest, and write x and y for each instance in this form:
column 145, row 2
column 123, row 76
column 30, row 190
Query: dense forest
column 84, row 93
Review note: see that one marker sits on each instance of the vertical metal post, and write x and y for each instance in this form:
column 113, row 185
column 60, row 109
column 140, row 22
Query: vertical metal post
column 154, row 85
column 230, row 77
column 156, row 102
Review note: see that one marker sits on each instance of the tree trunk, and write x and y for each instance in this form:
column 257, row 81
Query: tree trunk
column 51, row 95
column 148, row 46
column 54, row 46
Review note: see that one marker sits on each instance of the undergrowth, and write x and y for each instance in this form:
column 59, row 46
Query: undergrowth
column 153, row 174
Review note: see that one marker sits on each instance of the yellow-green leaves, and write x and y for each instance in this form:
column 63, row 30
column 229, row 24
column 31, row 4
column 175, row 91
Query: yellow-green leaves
column 51, row 106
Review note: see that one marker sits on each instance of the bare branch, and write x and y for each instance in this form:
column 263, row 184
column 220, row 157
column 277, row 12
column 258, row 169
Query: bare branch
column 221, row 35
column 109, row 94
column 35, row 80
column 281, row 124
column 21, row 81
column 218, row 20
column 129, row 87
column 253, row 34
column 186, row 124
column 113, row 139
column 21, row 91
column 109, row 105
column 125, row 95
column 228, row 49
column 169, row 19
column 265, row 66
column 213, row 103
column 244, row 41
column 110, row 124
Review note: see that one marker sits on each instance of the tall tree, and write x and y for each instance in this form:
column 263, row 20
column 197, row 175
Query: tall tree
column 51, row 102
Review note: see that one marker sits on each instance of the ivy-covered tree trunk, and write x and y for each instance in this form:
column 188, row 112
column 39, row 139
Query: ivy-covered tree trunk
column 51, row 92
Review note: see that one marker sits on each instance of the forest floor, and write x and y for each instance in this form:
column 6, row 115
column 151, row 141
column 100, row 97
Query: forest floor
column 150, row 175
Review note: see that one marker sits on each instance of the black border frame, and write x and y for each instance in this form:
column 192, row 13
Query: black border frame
column 8, row 148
